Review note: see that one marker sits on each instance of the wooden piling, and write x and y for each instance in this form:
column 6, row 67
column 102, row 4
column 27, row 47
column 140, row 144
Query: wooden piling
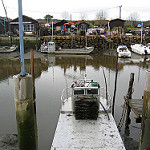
column 32, row 72
column 25, row 113
column 129, row 96
column 145, row 130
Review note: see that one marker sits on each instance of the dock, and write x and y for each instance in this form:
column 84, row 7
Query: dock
column 72, row 134
column 136, row 106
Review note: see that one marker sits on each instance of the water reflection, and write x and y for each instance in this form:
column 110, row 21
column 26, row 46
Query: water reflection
column 51, row 75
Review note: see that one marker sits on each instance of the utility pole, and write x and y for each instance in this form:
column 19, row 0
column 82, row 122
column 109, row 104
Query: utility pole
column 120, row 11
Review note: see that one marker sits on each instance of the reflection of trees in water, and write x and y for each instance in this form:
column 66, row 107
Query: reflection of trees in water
column 94, row 61
column 9, row 67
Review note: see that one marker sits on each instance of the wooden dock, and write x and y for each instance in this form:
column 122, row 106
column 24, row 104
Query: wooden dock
column 72, row 134
column 136, row 105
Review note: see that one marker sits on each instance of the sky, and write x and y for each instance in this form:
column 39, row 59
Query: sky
column 37, row 9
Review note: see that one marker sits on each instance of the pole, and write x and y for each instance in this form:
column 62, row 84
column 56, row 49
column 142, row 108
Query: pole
column 145, row 131
column 25, row 113
column 22, row 73
column 120, row 11
column 52, row 32
column 141, row 32
column 32, row 72
column 114, row 97
column 129, row 96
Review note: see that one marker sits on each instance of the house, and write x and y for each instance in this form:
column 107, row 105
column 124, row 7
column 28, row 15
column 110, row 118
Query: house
column 30, row 26
column 82, row 27
column 115, row 23
column 59, row 25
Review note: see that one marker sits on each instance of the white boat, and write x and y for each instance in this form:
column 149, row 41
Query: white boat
column 141, row 49
column 123, row 51
column 85, row 120
column 50, row 49
column 8, row 49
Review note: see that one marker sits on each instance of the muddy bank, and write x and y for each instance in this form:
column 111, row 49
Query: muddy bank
column 8, row 142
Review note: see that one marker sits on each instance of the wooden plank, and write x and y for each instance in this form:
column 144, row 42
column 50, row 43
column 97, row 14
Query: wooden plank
column 136, row 106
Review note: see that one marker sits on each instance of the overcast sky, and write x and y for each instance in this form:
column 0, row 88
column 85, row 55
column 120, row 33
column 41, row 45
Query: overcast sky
column 39, row 8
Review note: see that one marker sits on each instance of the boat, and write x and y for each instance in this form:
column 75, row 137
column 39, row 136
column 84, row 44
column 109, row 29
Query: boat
column 85, row 120
column 141, row 49
column 123, row 51
column 49, row 48
column 8, row 49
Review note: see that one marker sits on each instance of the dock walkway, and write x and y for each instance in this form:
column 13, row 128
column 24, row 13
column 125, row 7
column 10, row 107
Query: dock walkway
column 72, row 134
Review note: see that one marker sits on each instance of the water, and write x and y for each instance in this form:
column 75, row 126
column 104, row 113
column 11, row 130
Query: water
column 53, row 74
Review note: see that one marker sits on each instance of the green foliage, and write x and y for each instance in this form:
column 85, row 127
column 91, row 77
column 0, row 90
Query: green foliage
column 48, row 17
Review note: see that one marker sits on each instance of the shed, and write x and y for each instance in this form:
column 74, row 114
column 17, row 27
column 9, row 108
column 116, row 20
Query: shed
column 115, row 23
column 82, row 27
column 59, row 25
column 30, row 25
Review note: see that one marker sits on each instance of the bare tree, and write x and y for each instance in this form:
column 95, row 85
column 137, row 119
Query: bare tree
column 133, row 18
column 101, row 16
column 83, row 16
column 66, row 15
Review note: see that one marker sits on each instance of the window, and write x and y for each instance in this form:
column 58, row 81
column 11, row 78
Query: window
column 92, row 91
column 79, row 92
column 24, row 27
column 30, row 27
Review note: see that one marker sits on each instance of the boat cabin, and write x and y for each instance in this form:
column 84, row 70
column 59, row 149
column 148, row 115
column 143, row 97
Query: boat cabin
column 85, row 99
column 86, row 87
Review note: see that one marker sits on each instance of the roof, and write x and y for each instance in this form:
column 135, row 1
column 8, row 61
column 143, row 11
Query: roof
column 114, row 20
column 6, row 19
column 60, row 23
column 24, row 16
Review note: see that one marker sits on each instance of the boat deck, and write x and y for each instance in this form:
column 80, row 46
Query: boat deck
column 72, row 134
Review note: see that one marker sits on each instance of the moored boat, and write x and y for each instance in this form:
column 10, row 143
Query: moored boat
column 141, row 49
column 123, row 51
column 49, row 48
column 85, row 120
column 8, row 49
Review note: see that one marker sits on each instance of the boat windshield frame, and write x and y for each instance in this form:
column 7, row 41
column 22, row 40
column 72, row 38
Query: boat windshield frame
column 86, row 91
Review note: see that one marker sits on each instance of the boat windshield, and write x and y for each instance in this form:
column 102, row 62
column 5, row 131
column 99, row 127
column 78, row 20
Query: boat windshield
column 92, row 91
column 79, row 92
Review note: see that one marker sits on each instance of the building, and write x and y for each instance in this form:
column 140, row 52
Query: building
column 30, row 26
column 115, row 23
column 82, row 27
column 4, row 25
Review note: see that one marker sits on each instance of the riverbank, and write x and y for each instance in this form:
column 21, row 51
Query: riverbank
column 100, row 42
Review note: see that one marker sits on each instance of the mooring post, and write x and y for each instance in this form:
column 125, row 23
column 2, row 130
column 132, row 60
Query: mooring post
column 145, row 125
column 129, row 96
column 25, row 113
column 24, row 102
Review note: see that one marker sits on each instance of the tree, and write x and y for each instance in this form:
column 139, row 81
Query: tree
column 133, row 18
column 48, row 17
column 83, row 16
column 66, row 15
column 101, row 16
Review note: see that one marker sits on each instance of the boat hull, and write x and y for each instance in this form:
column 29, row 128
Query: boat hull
column 123, row 51
column 82, row 51
column 140, row 49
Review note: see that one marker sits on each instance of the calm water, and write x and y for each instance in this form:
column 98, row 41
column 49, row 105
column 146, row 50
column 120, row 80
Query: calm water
column 53, row 74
